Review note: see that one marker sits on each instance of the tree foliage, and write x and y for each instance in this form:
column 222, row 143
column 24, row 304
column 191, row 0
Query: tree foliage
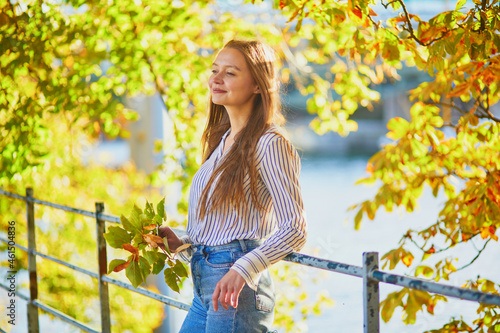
column 66, row 68
column 451, row 144
column 63, row 178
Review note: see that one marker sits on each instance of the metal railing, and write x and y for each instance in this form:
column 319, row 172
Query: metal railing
column 369, row 272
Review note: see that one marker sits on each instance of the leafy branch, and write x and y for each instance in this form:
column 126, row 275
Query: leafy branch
column 140, row 235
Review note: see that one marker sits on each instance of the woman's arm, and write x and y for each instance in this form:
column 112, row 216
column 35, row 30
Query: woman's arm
column 279, row 170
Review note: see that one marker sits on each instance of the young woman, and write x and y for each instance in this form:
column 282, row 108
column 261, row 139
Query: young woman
column 245, row 203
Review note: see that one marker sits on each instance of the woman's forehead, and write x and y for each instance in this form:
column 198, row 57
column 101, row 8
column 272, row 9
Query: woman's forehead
column 230, row 57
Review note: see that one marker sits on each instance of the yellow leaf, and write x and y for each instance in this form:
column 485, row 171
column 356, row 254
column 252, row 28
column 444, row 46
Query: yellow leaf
column 182, row 248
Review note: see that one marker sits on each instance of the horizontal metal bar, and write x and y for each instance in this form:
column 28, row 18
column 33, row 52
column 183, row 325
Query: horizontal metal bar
column 104, row 217
column 414, row 283
column 45, row 256
column 109, row 218
column 73, row 267
column 64, row 317
column 21, row 296
column 12, row 195
column 298, row 258
column 328, row 265
column 15, row 244
column 159, row 297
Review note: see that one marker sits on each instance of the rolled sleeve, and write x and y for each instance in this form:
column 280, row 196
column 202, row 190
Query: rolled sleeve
column 185, row 255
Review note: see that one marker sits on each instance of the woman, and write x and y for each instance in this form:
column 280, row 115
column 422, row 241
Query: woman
column 245, row 204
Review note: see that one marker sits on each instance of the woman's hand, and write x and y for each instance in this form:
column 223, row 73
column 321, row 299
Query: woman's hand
column 173, row 241
column 228, row 290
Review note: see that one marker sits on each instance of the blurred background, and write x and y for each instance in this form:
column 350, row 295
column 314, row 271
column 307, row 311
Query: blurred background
column 331, row 165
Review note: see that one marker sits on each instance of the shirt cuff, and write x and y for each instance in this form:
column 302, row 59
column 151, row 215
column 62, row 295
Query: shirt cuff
column 250, row 267
column 185, row 255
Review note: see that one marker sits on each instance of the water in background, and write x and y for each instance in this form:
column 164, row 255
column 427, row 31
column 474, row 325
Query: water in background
column 328, row 190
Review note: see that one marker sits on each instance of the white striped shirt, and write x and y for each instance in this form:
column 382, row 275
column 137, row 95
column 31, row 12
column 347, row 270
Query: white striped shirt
column 282, row 221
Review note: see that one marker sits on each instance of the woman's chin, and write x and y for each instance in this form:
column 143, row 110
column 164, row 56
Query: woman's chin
column 217, row 101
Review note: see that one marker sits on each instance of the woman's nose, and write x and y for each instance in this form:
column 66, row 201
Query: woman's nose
column 217, row 78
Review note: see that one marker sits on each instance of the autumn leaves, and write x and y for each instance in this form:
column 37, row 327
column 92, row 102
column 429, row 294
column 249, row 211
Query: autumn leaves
column 139, row 235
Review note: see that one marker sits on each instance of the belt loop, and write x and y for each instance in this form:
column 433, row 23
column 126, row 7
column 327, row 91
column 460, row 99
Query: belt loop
column 243, row 245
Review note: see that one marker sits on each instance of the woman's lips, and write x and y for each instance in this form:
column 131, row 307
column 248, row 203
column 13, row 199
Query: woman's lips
column 218, row 91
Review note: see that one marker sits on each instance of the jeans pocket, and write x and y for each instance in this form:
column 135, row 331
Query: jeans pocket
column 220, row 259
column 265, row 296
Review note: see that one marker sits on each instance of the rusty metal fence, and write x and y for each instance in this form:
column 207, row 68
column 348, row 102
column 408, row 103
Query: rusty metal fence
column 369, row 272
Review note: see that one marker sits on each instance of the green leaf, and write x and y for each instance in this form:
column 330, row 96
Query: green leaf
column 160, row 208
column 151, row 256
column 135, row 218
column 128, row 225
column 133, row 273
column 145, row 220
column 180, row 269
column 165, row 242
column 137, row 240
column 145, row 268
column 149, row 210
column 171, row 279
column 117, row 236
column 157, row 220
column 114, row 263
column 160, row 263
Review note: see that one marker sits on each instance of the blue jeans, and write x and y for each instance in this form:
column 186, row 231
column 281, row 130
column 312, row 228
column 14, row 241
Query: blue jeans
column 255, row 311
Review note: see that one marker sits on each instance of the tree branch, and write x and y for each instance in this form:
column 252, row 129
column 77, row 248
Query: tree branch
column 412, row 32
column 407, row 236
column 477, row 256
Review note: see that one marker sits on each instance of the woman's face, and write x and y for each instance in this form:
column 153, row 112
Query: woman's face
column 231, row 83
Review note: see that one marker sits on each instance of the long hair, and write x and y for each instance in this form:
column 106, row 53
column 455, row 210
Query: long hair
column 240, row 160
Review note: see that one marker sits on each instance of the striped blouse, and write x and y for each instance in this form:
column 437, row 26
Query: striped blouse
column 282, row 223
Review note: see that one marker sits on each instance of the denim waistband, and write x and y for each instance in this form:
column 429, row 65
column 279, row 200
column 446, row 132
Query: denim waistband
column 244, row 244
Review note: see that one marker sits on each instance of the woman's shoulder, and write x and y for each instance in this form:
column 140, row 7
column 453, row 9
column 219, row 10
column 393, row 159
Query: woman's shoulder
column 274, row 136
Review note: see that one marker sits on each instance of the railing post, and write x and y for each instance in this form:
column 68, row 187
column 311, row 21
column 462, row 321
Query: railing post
column 370, row 294
column 33, row 324
column 103, row 264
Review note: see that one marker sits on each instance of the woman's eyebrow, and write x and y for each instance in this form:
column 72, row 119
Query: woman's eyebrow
column 228, row 66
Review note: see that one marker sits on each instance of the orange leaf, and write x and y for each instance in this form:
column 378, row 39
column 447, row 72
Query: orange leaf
column 459, row 90
column 122, row 266
column 485, row 232
column 492, row 233
column 133, row 250
column 150, row 227
column 407, row 260
column 357, row 12
column 152, row 240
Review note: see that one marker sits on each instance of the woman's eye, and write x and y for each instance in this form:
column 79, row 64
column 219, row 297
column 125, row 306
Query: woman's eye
column 230, row 73
column 214, row 71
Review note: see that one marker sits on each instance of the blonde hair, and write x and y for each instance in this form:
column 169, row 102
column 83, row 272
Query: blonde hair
column 241, row 158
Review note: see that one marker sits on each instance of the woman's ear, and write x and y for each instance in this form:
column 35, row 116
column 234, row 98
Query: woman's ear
column 257, row 90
